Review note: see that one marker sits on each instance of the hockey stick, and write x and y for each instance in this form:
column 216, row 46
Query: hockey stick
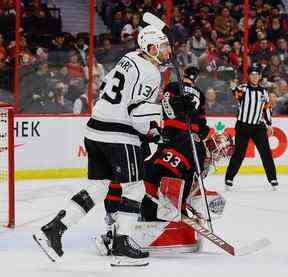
column 218, row 241
column 158, row 23
column 227, row 247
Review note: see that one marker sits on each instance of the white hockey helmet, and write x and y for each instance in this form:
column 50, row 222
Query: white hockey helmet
column 150, row 35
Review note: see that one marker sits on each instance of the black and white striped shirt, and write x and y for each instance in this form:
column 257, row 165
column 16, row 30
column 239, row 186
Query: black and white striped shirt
column 254, row 107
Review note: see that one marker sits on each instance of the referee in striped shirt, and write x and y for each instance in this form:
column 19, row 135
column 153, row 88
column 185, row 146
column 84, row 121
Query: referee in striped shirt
column 253, row 121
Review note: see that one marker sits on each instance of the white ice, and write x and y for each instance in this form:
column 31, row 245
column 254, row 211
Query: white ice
column 253, row 211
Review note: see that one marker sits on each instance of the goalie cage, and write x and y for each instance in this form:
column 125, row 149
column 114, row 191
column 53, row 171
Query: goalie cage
column 7, row 186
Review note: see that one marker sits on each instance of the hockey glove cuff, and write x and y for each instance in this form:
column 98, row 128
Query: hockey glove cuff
column 154, row 133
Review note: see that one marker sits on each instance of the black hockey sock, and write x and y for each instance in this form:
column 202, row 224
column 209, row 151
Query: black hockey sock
column 148, row 209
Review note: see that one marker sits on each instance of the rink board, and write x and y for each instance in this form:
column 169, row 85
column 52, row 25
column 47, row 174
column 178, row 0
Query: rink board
column 52, row 147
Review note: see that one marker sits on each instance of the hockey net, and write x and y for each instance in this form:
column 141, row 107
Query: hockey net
column 7, row 190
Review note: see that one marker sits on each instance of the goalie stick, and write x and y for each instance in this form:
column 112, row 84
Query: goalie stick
column 153, row 20
column 227, row 247
column 218, row 241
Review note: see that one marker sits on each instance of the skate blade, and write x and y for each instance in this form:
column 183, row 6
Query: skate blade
column 126, row 262
column 43, row 244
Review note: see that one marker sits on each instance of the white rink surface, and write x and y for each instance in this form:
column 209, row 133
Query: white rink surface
column 253, row 211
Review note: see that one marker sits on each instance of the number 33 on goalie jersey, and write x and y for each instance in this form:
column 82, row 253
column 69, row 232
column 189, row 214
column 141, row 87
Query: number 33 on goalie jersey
column 127, row 102
column 173, row 161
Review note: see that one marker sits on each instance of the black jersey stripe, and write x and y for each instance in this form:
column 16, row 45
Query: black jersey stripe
column 138, row 71
column 111, row 127
column 246, row 114
column 147, row 114
column 260, row 114
column 134, row 106
column 257, row 108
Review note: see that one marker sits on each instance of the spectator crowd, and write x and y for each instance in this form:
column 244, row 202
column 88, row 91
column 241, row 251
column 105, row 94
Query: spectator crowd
column 208, row 34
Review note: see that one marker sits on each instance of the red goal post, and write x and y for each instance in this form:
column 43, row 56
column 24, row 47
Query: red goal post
column 7, row 168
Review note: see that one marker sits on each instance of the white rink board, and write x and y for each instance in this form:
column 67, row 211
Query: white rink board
column 57, row 142
column 49, row 142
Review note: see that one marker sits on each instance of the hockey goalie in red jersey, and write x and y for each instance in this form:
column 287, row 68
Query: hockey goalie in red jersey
column 174, row 158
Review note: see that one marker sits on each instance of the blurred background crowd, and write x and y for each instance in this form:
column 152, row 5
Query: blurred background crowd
column 53, row 73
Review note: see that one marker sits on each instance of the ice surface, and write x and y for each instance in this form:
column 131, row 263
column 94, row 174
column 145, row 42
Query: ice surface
column 253, row 211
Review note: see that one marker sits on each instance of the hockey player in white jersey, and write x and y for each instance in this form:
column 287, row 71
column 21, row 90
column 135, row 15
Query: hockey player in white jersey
column 124, row 114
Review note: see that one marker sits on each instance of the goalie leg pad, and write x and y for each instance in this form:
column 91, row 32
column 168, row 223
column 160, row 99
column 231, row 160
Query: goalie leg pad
column 84, row 200
column 170, row 199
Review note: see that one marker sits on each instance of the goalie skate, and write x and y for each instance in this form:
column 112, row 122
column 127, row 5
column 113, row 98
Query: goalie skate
column 119, row 245
column 125, row 246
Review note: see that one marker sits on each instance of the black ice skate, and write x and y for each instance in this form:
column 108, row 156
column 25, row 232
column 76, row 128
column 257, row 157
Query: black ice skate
column 274, row 184
column 53, row 232
column 123, row 245
column 228, row 185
